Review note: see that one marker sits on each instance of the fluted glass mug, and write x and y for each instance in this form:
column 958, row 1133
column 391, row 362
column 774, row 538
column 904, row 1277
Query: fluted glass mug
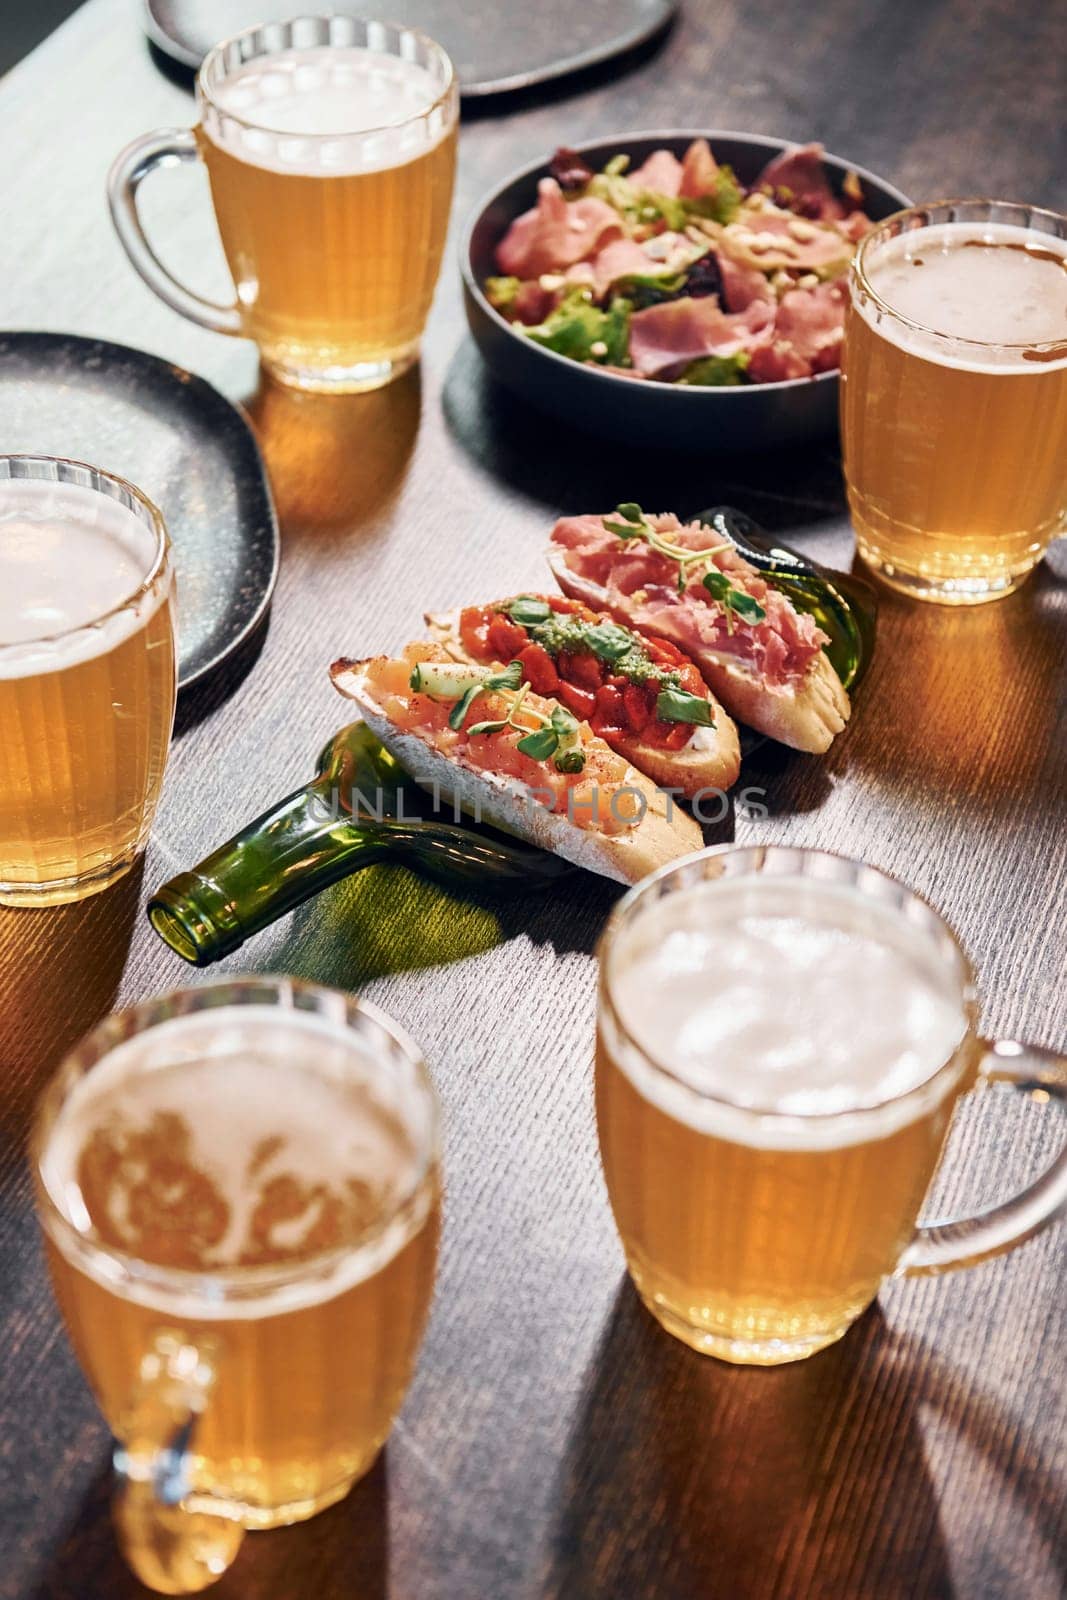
column 955, row 447
column 782, row 1037
column 330, row 146
column 239, row 1190
column 88, row 676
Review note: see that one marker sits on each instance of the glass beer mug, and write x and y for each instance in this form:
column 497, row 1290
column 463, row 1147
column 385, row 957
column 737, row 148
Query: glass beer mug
column 239, row 1191
column 954, row 397
column 87, row 676
column 782, row 1037
column 330, row 146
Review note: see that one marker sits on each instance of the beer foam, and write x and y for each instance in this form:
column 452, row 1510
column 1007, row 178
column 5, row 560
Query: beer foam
column 221, row 1141
column 963, row 282
column 329, row 110
column 69, row 556
column 788, row 998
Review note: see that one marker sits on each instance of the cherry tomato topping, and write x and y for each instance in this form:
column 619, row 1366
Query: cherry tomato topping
column 665, row 654
column 474, row 628
column 506, row 638
column 669, row 735
column 610, row 710
column 638, row 711
column 539, row 669
column 581, row 667
column 578, row 701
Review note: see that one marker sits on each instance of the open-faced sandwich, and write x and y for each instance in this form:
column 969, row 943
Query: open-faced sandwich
column 684, row 583
column 484, row 740
column 642, row 696
column 673, row 272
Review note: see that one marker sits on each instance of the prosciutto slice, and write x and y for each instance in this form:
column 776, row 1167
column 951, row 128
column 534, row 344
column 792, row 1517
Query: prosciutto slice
column 700, row 171
column 801, row 172
column 622, row 258
column 813, row 321
column 777, row 362
column 642, row 584
column 771, row 239
column 556, row 233
column 808, row 332
column 661, row 172
column 742, row 285
column 665, row 339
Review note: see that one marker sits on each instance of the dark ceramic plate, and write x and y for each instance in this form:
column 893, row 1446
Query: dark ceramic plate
column 628, row 409
column 176, row 438
column 493, row 51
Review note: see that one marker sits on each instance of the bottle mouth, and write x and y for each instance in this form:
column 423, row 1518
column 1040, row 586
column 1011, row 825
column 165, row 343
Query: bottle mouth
column 174, row 933
column 181, row 914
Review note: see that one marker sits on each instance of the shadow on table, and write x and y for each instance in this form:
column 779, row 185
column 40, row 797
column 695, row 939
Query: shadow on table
column 334, row 461
column 202, row 699
column 60, row 970
column 342, row 1554
column 807, row 1480
column 387, row 919
column 563, row 469
column 974, row 697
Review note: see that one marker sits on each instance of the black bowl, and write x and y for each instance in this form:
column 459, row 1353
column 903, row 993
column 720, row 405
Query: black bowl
column 626, row 409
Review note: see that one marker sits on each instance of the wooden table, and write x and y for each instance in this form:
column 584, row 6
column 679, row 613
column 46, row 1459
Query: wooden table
column 555, row 1442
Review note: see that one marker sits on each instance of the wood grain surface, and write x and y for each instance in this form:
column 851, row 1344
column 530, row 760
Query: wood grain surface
column 555, row 1442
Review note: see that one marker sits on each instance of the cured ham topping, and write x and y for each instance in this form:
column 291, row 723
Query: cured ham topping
column 700, row 171
column 610, row 268
column 644, row 586
column 665, row 339
column 742, row 285
column 772, row 240
column 799, row 178
column 556, row 233
column 660, row 172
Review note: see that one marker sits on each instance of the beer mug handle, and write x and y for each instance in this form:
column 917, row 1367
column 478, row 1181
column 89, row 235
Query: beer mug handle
column 176, row 1540
column 128, row 171
column 940, row 1246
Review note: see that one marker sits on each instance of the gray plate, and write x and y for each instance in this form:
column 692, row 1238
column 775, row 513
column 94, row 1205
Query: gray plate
column 493, row 48
column 670, row 416
column 180, row 441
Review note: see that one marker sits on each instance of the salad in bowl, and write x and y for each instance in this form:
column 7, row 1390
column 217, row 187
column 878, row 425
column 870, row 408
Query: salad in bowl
column 673, row 271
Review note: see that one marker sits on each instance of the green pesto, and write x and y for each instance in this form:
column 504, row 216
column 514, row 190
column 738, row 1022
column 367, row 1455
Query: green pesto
column 617, row 647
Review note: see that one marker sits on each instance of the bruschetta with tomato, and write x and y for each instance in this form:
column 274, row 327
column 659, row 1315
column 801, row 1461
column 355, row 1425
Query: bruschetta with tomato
column 483, row 739
column 642, row 696
column 684, row 583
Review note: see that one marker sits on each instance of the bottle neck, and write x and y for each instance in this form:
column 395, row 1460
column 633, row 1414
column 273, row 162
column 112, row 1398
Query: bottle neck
column 289, row 853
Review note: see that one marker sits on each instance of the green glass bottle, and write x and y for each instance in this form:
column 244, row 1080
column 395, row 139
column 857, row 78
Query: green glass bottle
column 360, row 808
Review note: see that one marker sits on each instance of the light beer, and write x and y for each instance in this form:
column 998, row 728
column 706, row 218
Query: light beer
column 954, row 401
column 87, row 683
column 256, row 1183
column 331, row 170
column 777, row 1060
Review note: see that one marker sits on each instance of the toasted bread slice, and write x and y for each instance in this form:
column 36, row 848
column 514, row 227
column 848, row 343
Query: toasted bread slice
column 806, row 715
column 663, row 833
column 710, row 760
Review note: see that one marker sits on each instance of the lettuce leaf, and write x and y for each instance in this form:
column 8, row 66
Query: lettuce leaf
column 501, row 293
column 649, row 288
column 724, row 204
column 647, row 205
column 717, row 372
column 576, row 325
